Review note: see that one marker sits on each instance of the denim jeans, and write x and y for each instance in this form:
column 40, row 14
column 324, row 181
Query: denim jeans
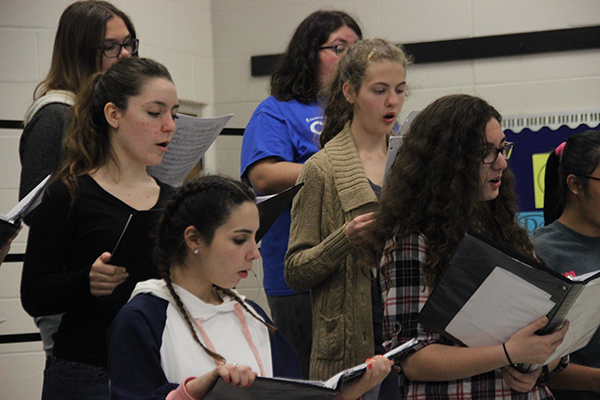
column 67, row 380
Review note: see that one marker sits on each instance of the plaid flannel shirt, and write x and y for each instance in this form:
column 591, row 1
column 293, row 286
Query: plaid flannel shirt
column 404, row 294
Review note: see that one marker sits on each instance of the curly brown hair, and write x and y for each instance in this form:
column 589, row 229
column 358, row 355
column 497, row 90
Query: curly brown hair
column 434, row 186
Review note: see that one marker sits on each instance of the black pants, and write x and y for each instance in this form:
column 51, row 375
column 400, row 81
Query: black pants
column 292, row 315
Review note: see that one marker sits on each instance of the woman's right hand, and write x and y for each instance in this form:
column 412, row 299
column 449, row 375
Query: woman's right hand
column 526, row 347
column 378, row 368
column 355, row 229
column 104, row 277
column 240, row 376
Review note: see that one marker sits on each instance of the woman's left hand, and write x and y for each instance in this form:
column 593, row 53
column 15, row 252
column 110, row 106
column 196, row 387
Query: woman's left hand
column 520, row 381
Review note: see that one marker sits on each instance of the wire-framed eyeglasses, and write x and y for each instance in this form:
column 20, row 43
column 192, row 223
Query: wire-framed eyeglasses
column 338, row 49
column 112, row 50
column 489, row 156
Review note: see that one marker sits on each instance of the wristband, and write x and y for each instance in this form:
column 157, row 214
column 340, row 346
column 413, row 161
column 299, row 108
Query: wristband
column 507, row 356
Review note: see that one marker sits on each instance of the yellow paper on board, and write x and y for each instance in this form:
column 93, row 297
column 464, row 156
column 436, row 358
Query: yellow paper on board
column 538, row 162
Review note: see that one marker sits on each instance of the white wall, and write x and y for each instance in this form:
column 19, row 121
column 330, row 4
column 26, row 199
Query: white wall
column 207, row 46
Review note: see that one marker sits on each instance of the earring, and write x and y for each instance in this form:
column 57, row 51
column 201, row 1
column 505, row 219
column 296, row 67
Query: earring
column 196, row 251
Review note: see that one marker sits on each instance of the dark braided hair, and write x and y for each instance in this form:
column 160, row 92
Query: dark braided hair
column 206, row 203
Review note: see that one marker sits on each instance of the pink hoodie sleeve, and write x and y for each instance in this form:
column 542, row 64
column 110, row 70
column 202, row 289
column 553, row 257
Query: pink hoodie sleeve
column 181, row 392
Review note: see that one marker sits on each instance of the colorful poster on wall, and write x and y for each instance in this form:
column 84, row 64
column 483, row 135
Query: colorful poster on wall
column 528, row 161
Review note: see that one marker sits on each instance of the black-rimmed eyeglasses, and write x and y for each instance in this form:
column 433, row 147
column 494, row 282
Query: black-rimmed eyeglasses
column 591, row 177
column 112, row 50
column 338, row 49
column 489, row 156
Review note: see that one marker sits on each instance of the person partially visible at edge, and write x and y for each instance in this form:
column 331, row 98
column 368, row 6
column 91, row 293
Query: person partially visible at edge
column 282, row 134
column 450, row 176
column 179, row 334
column 91, row 36
column 123, row 121
column 569, row 243
column 330, row 213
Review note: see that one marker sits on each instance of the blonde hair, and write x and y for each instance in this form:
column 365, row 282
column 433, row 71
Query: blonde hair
column 352, row 69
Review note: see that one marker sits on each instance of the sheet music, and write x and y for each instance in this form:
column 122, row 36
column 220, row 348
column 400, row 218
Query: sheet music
column 583, row 317
column 501, row 306
column 28, row 202
column 396, row 141
column 189, row 144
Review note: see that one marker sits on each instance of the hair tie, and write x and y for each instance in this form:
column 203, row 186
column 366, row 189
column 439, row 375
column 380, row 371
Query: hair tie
column 560, row 148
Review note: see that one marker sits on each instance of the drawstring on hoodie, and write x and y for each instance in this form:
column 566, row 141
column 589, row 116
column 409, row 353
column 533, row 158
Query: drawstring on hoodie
column 240, row 314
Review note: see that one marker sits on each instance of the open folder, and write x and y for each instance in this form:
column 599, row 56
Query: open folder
column 290, row 389
column 489, row 292
column 271, row 207
column 11, row 221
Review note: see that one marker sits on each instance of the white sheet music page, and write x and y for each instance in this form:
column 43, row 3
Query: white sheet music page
column 584, row 317
column 189, row 144
column 502, row 305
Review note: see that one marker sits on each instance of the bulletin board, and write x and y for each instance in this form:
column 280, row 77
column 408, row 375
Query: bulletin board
column 535, row 136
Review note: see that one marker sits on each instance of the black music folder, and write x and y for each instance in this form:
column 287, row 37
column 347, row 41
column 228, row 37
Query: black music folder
column 489, row 292
column 291, row 389
column 271, row 207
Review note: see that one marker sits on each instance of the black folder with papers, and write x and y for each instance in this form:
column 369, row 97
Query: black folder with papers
column 290, row 389
column 489, row 292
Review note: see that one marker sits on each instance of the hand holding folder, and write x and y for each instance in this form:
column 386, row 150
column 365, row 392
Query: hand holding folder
column 489, row 292
column 290, row 389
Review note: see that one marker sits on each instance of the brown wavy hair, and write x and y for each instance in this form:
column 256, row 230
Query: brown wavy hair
column 353, row 69
column 86, row 145
column 76, row 55
column 434, row 186
column 296, row 74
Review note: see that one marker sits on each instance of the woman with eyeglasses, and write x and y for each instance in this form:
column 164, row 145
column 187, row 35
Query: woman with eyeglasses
column 569, row 243
column 89, row 239
column 451, row 175
column 281, row 135
column 91, row 36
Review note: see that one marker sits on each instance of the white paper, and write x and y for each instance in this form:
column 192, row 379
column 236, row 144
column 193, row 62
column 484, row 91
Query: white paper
column 502, row 305
column 28, row 202
column 189, row 144
column 396, row 141
column 584, row 317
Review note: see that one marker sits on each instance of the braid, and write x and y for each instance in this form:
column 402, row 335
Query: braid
column 217, row 357
column 205, row 203
column 231, row 293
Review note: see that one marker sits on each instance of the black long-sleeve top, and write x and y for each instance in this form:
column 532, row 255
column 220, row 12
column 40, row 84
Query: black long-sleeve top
column 64, row 241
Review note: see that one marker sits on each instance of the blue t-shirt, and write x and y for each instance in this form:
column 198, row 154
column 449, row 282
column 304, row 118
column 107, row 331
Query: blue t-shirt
column 288, row 131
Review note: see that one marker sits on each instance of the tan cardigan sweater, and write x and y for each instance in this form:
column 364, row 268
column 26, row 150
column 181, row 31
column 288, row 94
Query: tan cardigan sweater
column 321, row 258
